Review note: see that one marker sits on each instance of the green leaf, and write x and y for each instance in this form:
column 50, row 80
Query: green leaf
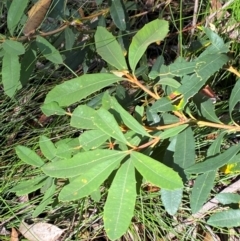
column 206, row 109
column 172, row 131
column 52, row 108
column 229, row 219
column 169, row 118
column 216, row 145
column 47, row 199
column 152, row 117
column 78, row 88
column 48, row 50
column 213, row 163
column 48, row 149
column 228, row 198
column 106, row 122
column 162, row 105
column 64, row 151
column 205, row 67
column 119, row 207
column 152, row 32
column 234, row 98
column 28, row 62
column 13, row 47
column 92, row 139
column 169, row 82
column 26, row 187
column 155, row 172
column 28, row 156
column 10, row 74
column 118, row 14
column 96, row 195
column 217, row 44
column 82, row 117
column 184, row 155
column 89, row 181
column 69, row 38
column 201, row 190
column 171, row 200
column 109, row 49
column 156, row 67
column 15, row 13
column 81, row 163
column 128, row 119
column 177, row 69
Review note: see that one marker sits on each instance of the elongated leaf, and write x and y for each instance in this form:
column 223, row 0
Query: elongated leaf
column 206, row 66
column 64, row 151
column 229, row 218
column 234, row 98
column 96, row 195
column 15, row 13
column 216, row 145
column 201, row 190
column 69, row 38
column 228, row 198
column 177, row 69
column 81, row 163
column 26, row 187
column 28, row 62
column 128, row 119
column 213, row 163
column 162, row 105
column 169, row 82
column 217, row 44
column 118, row 14
column 29, row 156
column 169, row 118
column 82, row 117
column 206, row 109
column 48, row 149
column 184, row 155
column 119, row 207
column 13, row 47
column 109, row 49
column 172, row 131
column 47, row 199
column 150, row 33
column 155, row 172
column 152, row 117
column 107, row 124
column 52, row 108
column 89, row 181
column 92, row 139
column 48, row 50
column 10, row 74
column 36, row 15
column 76, row 89
column 156, row 67
column 171, row 200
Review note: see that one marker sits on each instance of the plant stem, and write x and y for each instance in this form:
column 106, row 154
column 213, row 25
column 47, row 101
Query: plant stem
column 134, row 80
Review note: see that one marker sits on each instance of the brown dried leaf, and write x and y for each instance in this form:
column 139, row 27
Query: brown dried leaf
column 208, row 237
column 40, row 231
column 215, row 6
column 35, row 16
column 14, row 235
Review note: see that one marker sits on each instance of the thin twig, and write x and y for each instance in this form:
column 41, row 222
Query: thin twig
column 194, row 21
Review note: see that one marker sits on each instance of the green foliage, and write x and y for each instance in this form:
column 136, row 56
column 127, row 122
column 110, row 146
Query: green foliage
column 119, row 147
column 229, row 218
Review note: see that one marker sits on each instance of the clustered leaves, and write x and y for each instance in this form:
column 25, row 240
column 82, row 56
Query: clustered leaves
column 115, row 141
